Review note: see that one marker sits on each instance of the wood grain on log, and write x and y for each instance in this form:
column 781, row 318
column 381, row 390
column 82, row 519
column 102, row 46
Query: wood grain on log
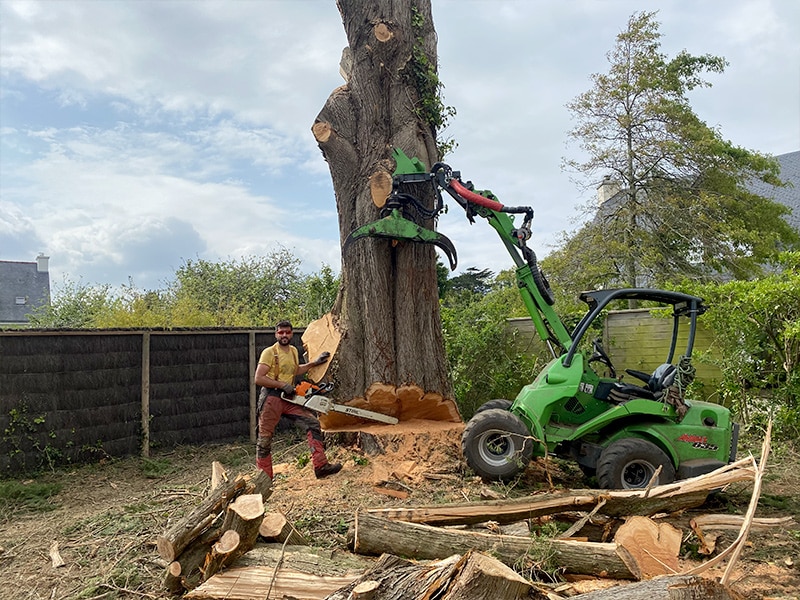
column 653, row 547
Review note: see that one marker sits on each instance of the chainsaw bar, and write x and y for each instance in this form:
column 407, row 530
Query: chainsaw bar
column 322, row 404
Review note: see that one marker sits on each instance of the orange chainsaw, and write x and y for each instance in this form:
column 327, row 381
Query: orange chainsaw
column 310, row 396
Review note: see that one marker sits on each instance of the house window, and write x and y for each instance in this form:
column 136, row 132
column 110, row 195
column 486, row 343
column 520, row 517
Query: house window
column 22, row 300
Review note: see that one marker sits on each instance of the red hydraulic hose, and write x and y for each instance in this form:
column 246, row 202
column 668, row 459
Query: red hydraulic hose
column 473, row 197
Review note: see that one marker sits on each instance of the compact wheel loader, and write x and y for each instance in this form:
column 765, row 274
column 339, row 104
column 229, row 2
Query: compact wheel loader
column 627, row 434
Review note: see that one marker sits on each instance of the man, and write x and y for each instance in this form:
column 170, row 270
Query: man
column 278, row 366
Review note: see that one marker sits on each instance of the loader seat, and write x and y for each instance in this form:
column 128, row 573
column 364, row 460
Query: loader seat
column 662, row 378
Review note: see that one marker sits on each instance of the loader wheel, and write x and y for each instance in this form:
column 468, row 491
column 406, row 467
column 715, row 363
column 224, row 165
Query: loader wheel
column 496, row 444
column 630, row 464
column 501, row 403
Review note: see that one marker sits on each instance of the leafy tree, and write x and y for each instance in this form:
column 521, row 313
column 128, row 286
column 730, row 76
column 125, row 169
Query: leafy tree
column 485, row 357
column 757, row 328
column 682, row 208
column 73, row 305
column 312, row 296
column 251, row 290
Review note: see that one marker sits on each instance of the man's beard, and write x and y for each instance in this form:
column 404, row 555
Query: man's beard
column 284, row 341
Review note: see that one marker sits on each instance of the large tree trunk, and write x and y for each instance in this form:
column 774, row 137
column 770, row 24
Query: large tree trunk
column 388, row 306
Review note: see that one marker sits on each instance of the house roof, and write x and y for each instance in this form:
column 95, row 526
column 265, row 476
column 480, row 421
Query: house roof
column 23, row 288
column 789, row 195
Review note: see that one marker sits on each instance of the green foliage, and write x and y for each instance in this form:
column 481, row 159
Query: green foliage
column 757, row 327
column 682, row 208
column 485, row 361
column 73, row 305
column 28, row 432
column 252, row 291
column 26, row 497
column 430, row 107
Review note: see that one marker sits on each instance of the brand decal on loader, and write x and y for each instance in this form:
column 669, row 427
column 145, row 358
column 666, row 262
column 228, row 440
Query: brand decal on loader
column 698, row 441
column 586, row 388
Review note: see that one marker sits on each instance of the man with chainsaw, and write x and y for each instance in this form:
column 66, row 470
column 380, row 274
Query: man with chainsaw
column 277, row 367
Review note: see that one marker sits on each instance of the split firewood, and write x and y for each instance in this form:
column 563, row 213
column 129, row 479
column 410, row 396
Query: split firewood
column 688, row 493
column 258, row 582
column 175, row 539
column 218, row 474
column 374, row 535
column 276, row 528
column 473, row 575
column 240, row 532
column 652, row 548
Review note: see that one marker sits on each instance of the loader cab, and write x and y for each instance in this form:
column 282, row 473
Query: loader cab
column 684, row 306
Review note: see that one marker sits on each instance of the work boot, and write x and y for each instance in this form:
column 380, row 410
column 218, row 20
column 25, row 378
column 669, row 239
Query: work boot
column 327, row 469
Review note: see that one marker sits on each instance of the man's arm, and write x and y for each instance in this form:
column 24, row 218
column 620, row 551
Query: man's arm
column 321, row 359
column 263, row 379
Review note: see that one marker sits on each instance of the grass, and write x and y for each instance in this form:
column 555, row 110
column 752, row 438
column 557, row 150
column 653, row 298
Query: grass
column 27, row 496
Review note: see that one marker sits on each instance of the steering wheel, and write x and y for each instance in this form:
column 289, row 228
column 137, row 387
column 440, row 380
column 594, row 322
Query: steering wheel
column 600, row 355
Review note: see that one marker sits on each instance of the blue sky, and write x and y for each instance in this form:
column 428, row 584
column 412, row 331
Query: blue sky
column 135, row 135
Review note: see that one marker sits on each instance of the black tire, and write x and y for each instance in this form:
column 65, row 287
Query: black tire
column 630, row 464
column 500, row 403
column 496, row 444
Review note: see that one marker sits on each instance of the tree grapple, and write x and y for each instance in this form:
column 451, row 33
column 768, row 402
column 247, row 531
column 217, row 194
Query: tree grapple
column 628, row 435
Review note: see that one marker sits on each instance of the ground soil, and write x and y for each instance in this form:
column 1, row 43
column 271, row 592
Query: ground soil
column 106, row 516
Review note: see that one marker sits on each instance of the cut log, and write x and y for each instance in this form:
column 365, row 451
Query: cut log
column 175, row 539
column 677, row 496
column 276, row 528
column 473, row 576
column 172, row 578
column 188, row 567
column 374, row 535
column 673, row 587
column 220, row 553
column 653, row 547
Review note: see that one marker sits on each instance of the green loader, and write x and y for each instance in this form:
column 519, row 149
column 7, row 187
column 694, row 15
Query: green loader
column 627, row 434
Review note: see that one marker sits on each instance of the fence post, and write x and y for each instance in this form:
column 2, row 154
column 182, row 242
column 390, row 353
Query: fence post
column 251, row 344
column 146, row 394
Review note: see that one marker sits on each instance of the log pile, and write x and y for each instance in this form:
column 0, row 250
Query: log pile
column 219, row 530
column 474, row 550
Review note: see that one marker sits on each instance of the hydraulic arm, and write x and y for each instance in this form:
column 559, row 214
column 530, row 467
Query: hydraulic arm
column 401, row 221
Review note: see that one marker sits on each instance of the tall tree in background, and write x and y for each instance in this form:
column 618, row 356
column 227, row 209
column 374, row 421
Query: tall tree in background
column 681, row 207
column 387, row 308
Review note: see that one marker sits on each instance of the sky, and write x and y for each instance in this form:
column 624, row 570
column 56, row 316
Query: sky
column 137, row 135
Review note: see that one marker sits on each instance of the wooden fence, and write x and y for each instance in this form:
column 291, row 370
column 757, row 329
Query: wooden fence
column 75, row 396
column 635, row 339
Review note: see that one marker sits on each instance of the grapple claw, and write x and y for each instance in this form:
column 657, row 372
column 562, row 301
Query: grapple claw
column 396, row 227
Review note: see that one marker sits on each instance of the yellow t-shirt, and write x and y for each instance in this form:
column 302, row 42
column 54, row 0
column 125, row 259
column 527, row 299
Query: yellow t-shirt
column 281, row 365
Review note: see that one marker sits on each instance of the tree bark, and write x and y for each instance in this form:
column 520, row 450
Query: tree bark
column 473, row 576
column 387, row 308
column 175, row 539
column 673, row 587
column 374, row 535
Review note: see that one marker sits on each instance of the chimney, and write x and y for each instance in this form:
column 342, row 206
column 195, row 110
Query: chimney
column 42, row 263
column 607, row 189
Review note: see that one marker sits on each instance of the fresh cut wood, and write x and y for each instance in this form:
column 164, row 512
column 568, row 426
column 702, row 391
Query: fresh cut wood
column 181, row 533
column 275, row 527
column 473, row 575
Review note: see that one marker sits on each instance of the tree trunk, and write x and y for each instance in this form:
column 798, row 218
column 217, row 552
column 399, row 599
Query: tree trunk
column 387, row 308
column 374, row 535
